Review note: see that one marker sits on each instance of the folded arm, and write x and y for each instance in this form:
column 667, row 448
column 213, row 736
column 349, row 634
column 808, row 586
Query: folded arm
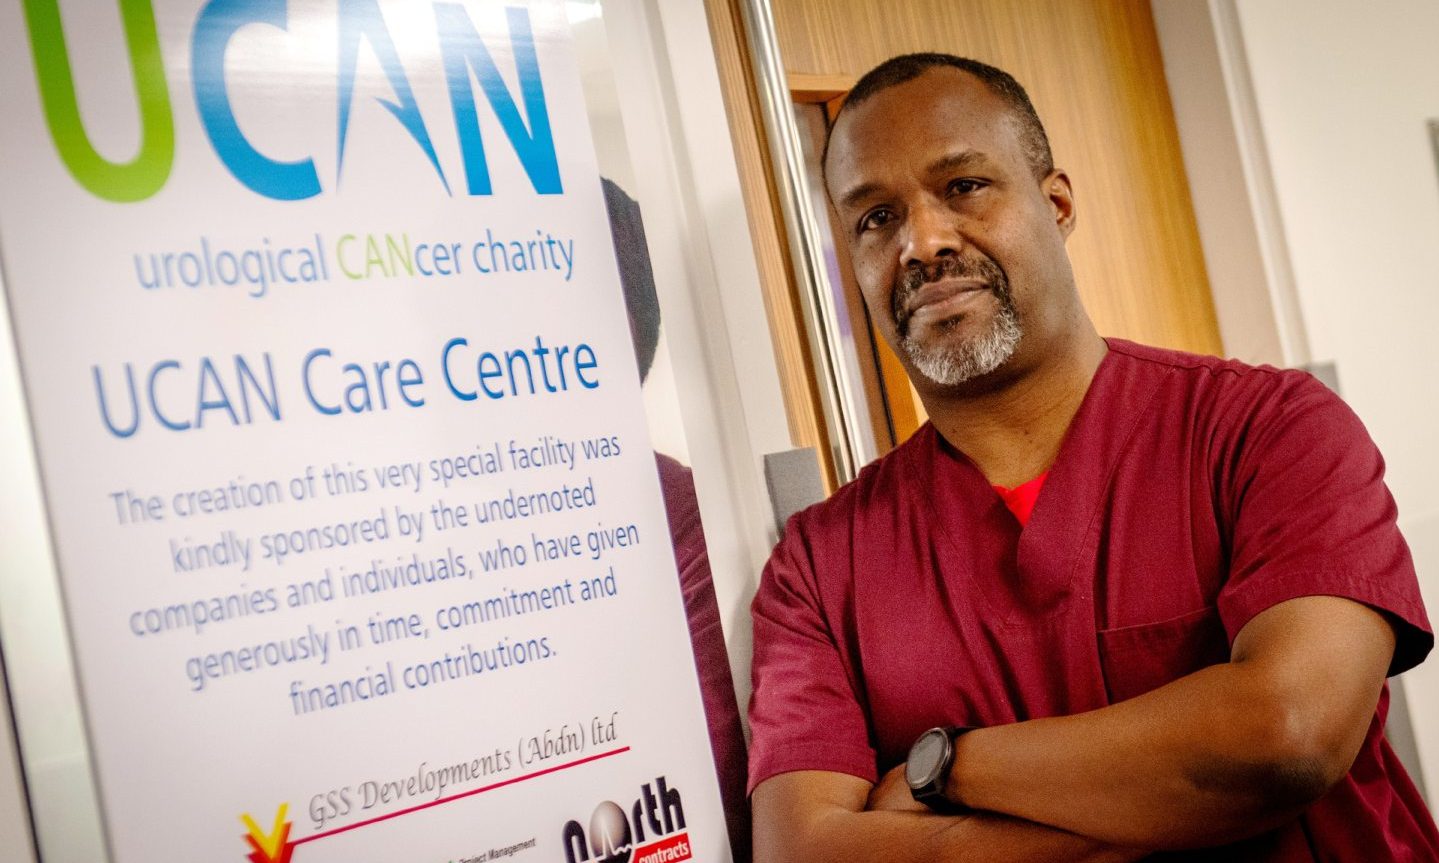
column 1218, row 755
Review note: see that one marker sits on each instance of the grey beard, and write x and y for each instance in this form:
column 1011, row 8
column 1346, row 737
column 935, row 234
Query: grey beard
column 951, row 365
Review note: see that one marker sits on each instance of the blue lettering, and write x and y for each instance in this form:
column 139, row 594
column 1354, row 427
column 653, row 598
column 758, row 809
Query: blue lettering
column 456, row 342
column 494, row 371
column 155, row 403
column 134, row 403
column 243, row 372
column 305, row 378
column 218, row 21
column 584, row 364
column 362, row 19
column 357, row 394
column 208, row 378
column 462, row 49
column 407, row 374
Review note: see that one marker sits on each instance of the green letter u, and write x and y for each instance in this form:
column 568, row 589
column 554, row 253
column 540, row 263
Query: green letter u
column 143, row 175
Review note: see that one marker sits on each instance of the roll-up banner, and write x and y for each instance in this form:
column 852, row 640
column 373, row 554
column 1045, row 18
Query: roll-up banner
column 357, row 523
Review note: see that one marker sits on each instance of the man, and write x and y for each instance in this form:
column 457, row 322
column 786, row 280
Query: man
column 1183, row 646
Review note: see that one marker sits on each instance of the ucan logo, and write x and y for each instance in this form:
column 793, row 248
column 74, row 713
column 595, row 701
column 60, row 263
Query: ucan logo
column 652, row 832
column 465, row 57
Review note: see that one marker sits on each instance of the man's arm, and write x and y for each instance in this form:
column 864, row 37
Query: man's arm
column 1224, row 753
column 819, row 816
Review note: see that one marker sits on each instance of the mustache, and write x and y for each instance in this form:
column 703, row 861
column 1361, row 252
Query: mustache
column 916, row 275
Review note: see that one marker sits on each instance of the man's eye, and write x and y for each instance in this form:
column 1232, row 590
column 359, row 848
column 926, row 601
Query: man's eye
column 964, row 187
column 875, row 219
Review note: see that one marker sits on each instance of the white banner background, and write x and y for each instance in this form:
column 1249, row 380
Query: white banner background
column 177, row 767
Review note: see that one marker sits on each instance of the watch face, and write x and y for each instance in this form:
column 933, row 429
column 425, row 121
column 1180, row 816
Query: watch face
column 925, row 757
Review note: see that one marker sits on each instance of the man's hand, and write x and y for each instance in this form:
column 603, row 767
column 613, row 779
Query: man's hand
column 892, row 794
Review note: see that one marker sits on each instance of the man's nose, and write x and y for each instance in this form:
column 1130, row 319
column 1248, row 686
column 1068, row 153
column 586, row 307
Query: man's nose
column 931, row 233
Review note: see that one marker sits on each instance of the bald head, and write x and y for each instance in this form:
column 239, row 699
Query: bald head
column 907, row 67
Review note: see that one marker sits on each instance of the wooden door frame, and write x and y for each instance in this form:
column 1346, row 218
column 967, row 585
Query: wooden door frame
column 895, row 411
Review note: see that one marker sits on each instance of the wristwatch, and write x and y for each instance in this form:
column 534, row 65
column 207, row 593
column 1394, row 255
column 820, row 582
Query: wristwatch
column 930, row 758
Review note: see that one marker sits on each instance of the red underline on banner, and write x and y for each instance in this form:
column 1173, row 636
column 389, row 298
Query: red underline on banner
column 471, row 793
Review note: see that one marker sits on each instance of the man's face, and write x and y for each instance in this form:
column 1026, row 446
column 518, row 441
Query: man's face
column 957, row 244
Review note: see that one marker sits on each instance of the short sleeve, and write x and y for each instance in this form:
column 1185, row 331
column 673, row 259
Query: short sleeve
column 804, row 710
column 1311, row 516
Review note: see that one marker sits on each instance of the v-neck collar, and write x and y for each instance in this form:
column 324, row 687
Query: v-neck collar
column 1065, row 523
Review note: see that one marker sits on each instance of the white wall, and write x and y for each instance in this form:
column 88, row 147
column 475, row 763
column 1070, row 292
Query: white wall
column 1230, row 182
column 1342, row 91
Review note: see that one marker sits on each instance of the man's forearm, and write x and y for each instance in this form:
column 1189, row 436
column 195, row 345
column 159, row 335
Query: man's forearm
column 1223, row 753
column 1132, row 772
column 841, row 836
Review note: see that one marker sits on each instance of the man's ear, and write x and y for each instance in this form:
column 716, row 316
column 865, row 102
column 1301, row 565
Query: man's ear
column 1060, row 195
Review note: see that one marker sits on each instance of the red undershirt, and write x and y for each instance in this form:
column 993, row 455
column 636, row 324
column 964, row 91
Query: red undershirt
column 1021, row 498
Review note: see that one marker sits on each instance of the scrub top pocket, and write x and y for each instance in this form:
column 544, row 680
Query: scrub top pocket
column 1139, row 658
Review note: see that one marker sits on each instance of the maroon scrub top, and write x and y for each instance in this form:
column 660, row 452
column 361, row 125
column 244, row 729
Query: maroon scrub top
column 1189, row 495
